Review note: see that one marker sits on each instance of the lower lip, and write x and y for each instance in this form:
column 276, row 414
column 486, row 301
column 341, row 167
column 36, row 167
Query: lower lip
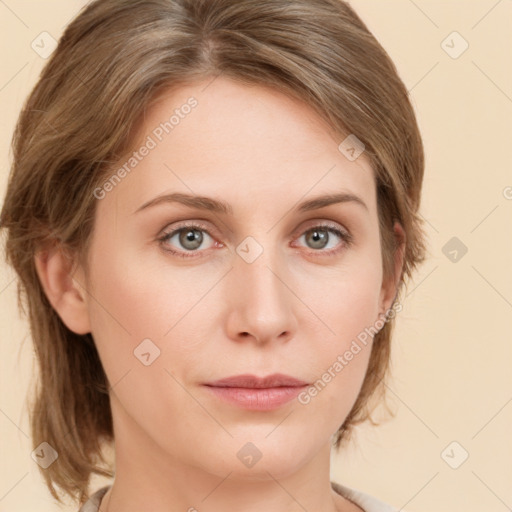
column 257, row 399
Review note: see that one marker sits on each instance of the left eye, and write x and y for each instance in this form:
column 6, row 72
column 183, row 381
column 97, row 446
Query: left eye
column 320, row 236
column 191, row 237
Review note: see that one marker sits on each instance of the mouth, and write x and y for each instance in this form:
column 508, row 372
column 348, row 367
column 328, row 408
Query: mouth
column 256, row 393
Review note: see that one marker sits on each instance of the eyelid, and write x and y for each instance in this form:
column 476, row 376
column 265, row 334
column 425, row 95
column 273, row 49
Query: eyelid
column 313, row 223
column 176, row 226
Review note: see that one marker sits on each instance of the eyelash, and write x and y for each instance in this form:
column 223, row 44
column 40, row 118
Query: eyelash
column 345, row 237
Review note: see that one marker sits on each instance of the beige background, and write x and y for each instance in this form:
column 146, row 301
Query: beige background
column 452, row 349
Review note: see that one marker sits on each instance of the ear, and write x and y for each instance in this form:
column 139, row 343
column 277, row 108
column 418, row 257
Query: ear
column 64, row 293
column 390, row 285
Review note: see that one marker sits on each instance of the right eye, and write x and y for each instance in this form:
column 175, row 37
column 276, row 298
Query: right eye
column 189, row 236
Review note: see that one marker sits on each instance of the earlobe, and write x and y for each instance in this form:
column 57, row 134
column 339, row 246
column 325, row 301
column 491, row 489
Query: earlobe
column 64, row 293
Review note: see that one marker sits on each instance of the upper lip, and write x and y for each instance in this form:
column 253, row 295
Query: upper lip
column 251, row 381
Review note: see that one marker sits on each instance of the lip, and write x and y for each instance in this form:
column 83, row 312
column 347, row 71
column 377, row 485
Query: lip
column 275, row 380
column 257, row 393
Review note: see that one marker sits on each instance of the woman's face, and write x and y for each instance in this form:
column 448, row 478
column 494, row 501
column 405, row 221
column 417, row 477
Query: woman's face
column 247, row 288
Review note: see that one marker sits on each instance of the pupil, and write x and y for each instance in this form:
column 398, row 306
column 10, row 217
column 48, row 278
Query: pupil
column 193, row 237
column 319, row 238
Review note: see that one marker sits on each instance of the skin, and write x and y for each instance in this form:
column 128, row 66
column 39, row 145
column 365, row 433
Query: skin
column 176, row 444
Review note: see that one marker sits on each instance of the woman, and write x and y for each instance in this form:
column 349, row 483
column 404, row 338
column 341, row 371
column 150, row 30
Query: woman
column 211, row 240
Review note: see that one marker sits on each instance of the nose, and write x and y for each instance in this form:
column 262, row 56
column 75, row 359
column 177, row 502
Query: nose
column 260, row 301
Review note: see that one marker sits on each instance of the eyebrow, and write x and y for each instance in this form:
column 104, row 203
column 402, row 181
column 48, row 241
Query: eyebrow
column 218, row 206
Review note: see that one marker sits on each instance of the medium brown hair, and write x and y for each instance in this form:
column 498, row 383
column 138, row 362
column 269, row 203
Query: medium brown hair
column 111, row 63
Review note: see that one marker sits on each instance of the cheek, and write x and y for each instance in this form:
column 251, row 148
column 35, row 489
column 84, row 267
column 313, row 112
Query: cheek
column 344, row 301
column 340, row 369
column 355, row 305
column 135, row 301
column 348, row 318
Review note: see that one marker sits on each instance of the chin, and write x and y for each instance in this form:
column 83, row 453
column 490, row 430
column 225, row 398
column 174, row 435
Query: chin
column 254, row 457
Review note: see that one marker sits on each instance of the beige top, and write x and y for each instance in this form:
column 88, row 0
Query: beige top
column 365, row 501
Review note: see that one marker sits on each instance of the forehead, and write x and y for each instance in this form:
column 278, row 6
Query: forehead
column 241, row 143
